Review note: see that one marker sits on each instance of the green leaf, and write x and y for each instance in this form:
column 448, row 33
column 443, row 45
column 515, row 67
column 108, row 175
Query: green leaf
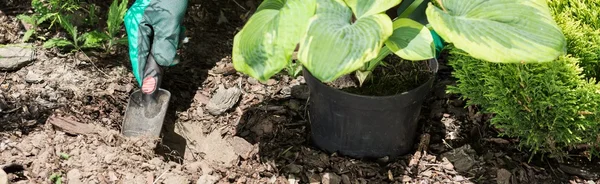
column 334, row 46
column 26, row 18
column 265, row 44
column 116, row 14
column 411, row 40
column 94, row 39
column 56, row 178
column 65, row 22
column 45, row 17
column 501, row 31
column 372, row 64
column 57, row 42
column 363, row 8
column 122, row 41
column 362, row 76
column 64, row 156
column 28, row 34
column 410, row 9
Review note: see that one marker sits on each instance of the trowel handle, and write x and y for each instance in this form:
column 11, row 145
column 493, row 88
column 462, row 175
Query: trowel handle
column 151, row 81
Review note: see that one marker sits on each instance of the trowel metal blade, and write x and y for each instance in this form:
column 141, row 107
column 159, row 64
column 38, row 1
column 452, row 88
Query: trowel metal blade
column 141, row 120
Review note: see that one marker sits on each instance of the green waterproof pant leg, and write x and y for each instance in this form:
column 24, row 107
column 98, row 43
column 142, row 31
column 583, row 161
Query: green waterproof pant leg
column 154, row 27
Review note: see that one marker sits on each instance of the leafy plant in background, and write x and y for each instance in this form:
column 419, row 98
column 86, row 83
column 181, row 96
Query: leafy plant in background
column 63, row 11
column 94, row 39
column 337, row 37
column 551, row 107
column 46, row 11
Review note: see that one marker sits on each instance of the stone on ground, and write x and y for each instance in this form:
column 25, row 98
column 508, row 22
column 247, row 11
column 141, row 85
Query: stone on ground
column 223, row 100
column 461, row 157
column 14, row 57
column 503, row 176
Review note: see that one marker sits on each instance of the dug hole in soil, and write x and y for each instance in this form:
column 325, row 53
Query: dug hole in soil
column 60, row 118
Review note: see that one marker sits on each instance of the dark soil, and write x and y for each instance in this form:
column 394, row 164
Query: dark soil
column 77, row 107
column 395, row 77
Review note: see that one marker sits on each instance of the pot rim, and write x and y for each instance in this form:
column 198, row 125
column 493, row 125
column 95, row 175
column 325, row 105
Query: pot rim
column 433, row 66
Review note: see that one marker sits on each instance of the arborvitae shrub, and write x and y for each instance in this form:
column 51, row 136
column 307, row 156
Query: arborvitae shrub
column 580, row 22
column 552, row 106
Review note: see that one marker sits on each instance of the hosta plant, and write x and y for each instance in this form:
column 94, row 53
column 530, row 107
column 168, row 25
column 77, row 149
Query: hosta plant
column 338, row 37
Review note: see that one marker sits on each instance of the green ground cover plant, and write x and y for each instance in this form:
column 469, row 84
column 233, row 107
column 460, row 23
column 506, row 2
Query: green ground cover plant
column 551, row 107
column 80, row 34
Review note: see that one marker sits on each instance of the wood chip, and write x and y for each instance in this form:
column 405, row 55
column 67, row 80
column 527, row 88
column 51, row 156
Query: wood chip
column 424, row 143
column 498, row 140
column 70, row 125
column 225, row 70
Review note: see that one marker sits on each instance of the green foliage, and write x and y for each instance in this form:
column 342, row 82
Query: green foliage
column 78, row 37
column 56, row 178
column 551, row 107
column 580, row 22
column 338, row 37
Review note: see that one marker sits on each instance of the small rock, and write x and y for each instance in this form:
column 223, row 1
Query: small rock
column 32, row 77
column 331, row 178
column 223, row 100
column 294, row 169
column 14, row 57
column 74, row 176
column 300, row 92
column 313, row 178
column 462, row 158
column 207, row 179
column 3, row 177
column 241, row 147
column 175, row 179
column 345, row 179
column 503, row 176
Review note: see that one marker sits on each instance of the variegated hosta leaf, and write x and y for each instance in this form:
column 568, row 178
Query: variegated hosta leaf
column 369, row 7
column 411, row 40
column 334, row 46
column 502, row 31
column 265, row 44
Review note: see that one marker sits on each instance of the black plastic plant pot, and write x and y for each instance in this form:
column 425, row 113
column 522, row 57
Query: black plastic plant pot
column 365, row 126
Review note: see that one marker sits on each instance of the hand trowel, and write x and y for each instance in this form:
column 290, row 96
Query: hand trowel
column 147, row 107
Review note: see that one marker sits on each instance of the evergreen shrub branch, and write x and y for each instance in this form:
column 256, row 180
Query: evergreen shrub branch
column 551, row 107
